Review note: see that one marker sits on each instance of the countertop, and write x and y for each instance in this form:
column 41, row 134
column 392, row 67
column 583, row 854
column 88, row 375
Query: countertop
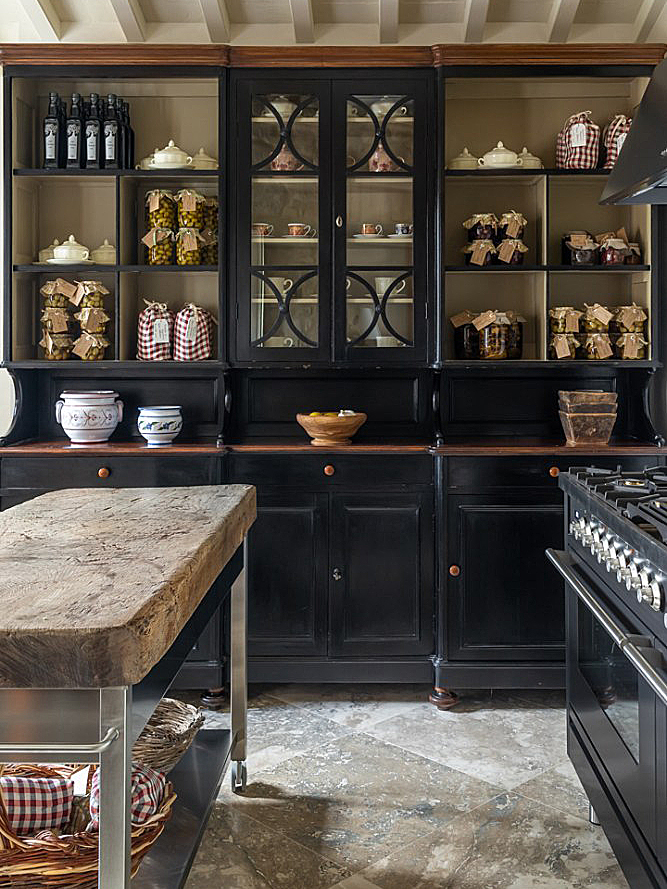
column 97, row 584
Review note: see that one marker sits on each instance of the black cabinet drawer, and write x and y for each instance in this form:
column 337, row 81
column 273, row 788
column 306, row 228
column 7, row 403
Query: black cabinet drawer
column 76, row 471
column 472, row 473
column 331, row 469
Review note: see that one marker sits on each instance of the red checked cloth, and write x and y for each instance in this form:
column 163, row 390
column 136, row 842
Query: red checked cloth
column 148, row 788
column 35, row 804
column 613, row 138
column 578, row 143
column 155, row 332
column 193, row 334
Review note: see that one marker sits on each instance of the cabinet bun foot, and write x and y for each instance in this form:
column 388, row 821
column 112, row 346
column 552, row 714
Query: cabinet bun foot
column 443, row 698
column 214, row 698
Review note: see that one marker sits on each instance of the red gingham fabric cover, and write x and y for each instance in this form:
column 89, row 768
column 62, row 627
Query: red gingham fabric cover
column 617, row 128
column 148, row 788
column 201, row 346
column 583, row 157
column 35, row 804
column 147, row 348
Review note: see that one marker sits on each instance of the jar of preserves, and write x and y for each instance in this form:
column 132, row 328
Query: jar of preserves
column 57, row 293
column 466, row 336
column 190, row 206
column 55, row 301
column 628, row 319
column 634, row 256
column 57, row 346
column 90, row 347
column 512, row 251
column 189, row 247
column 515, row 344
column 480, row 253
column 597, row 346
column 494, row 335
column 160, row 209
column 580, row 248
column 613, row 251
column 92, row 319
column 482, row 227
column 596, row 318
column 209, row 250
column 631, row 346
column 55, row 319
column 564, row 319
column 511, row 225
column 211, row 214
column 159, row 246
column 563, row 345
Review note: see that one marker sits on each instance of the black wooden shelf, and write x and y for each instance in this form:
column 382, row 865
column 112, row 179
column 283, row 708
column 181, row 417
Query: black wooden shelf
column 179, row 173
column 496, row 268
column 615, row 269
column 48, row 268
column 508, row 364
column 518, row 172
column 600, row 268
column 74, row 365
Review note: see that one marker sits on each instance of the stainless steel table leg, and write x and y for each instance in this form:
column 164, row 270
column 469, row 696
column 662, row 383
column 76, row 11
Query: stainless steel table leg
column 592, row 817
column 239, row 674
column 115, row 780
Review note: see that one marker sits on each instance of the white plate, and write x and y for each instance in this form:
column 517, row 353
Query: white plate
column 170, row 166
column 71, row 262
column 402, row 237
column 368, row 237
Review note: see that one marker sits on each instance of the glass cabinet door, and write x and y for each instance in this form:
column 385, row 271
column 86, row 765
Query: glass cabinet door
column 283, row 297
column 381, row 231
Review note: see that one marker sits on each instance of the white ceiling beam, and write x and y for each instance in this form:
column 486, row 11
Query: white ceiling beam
column 302, row 21
column 561, row 20
column 44, row 19
column 474, row 20
column 131, row 20
column 216, row 18
column 649, row 13
column 388, row 20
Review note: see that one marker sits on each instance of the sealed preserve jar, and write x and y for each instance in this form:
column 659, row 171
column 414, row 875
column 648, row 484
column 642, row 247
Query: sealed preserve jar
column 90, row 347
column 159, row 246
column 209, row 250
column 211, row 214
column 564, row 319
column 630, row 346
column 92, row 319
column 596, row 318
column 628, row 319
column 580, row 248
column 57, row 346
column 482, row 227
column 613, row 251
column 597, row 346
column 189, row 247
column 55, row 319
column 190, row 208
column 512, row 225
column 160, row 209
column 57, row 293
column 515, row 344
column 512, row 251
column 466, row 336
column 494, row 335
column 563, row 345
column 480, row 253
column 634, row 256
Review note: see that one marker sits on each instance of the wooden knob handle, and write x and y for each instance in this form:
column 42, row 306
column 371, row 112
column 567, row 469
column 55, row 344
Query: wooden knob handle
column 554, row 472
column 329, row 469
column 103, row 472
column 454, row 570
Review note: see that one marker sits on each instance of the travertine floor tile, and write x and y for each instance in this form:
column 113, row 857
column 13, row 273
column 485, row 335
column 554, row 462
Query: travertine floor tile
column 560, row 788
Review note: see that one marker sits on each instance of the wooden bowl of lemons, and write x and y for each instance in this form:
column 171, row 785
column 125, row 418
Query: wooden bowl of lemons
column 331, row 427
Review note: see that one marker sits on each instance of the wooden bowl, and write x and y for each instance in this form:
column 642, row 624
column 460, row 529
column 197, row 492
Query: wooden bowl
column 327, row 431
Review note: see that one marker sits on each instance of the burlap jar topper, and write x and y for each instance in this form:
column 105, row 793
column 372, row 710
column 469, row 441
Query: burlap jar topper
column 90, row 346
column 481, row 219
column 57, row 293
column 92, row 319
column 481, row 252
column 57, row 346
column 565, row 319
column 509, row 247
column 493, row 316
column 513, row 223
column 89, row 293
column 596, row 318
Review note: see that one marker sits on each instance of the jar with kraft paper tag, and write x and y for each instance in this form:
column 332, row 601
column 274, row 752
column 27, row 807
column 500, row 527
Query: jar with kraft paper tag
column 597, row 347
column 563, row 346
column 189, row 243
column 159, row 246
column 160, row 209
column 596, row 318
column 190, row 206
column 480, row 253
column 630, row 346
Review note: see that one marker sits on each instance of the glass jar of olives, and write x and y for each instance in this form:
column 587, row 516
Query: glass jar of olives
column 159, row 246
column 596, row 318
column 209, row 250
column 55, row 319
column 92, row 319
column 482, row 227
column 190, row 208
column 57, row 346
column 597, row 346
column 564, row 319
column 189, row 247
column 161, row 209
column 55, row 301
column 90, row 347
column 211, row 214
column 57, row 293
column 628, row 319
column 480, row 252
column 631, row 346
column 563, row 345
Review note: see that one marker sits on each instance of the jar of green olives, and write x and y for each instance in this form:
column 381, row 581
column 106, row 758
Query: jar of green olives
column 189, row 247
column 631, row 346
column 211, row 214
column 56, row 301
column 190, row 208
column 628, row 319
column 161, row 209
column 57, row 346
column 90, row 347
column 55, row 319
column 159, row 246
column 563, row 345
column 597, row 347
column 564, row 319
column 209, row 250
column 596, row 318
column 57, row 293
column 92, row 319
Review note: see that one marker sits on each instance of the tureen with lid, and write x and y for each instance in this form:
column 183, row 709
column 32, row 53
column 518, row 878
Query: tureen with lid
column 529, row 161
column 47, row 253
column 500, row 157
column 105, row 254
column 171, row 157
column 463, row 161
column 203, row 161
column 70, row 251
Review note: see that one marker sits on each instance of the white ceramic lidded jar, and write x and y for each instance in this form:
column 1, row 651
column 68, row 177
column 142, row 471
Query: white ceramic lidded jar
column 105, row 254
column 160, row 424
column 170, row 157
column 500, row 156
column 89, row 417
column 203, row 161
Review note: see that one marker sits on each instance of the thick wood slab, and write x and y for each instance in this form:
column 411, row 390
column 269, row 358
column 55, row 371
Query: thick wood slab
column 95, row 585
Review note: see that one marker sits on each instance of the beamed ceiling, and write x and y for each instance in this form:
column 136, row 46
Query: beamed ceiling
column 333, row 22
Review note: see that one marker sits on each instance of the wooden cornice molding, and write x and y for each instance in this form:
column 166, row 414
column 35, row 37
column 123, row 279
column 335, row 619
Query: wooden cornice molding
column 175, row 54
column 440, row 55
column 548, row 54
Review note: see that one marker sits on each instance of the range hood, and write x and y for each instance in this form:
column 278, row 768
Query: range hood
column 640, row 173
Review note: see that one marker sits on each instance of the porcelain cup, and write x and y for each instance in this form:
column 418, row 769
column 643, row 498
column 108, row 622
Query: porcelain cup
column 383, row 284
column 371, row 228
column 299, row 230
column 403, row 228
column 262, row 229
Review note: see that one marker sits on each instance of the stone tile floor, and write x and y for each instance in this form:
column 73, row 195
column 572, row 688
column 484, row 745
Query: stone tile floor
column 371, row 787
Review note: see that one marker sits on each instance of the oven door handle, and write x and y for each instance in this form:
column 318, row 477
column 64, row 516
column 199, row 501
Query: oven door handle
column 626, row 643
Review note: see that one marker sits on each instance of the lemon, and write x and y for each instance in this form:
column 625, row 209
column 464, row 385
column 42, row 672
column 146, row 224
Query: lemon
column 315, row 414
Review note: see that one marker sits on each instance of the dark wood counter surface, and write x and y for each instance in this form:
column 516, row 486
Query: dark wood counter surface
column 62, row 447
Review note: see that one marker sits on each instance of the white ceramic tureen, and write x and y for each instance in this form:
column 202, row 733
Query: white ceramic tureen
column 500, row 157
column 384, row 104
column 70, row 251
column 529, row 161
column 203, row 161
column 105, row 254
column 464, row 161
column 47, row 253
column 89, row 417
column 171, row 157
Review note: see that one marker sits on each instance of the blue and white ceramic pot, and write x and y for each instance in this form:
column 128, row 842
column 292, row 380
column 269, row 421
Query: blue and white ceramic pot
column 160, row 424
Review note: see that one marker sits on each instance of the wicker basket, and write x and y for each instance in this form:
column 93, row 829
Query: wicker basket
column 167, row 735
column 47, row 861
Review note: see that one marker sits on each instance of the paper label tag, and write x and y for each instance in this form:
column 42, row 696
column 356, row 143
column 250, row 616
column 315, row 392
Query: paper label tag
column 154, row 201
column 484, row 320
column 191, row 329
column 83, row 345
column 579, row 240
column 603, row 315
column 562, row 346
column 622, row 234
column 479, row 251
column 65, row 288
column 620, row 141
column 578, row 135
column 58, row 318
column 630, row 346
column 513, row 228
column 188, row 200
column 460, row 319
column 506, row 251
column 161, row 331
column 602, row 345
column 78, row 295
column 189, row 241
column 572, row 322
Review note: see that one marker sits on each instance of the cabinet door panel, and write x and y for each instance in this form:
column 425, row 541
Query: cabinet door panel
column 382, row 545
column 287, row 574
column 506, row 603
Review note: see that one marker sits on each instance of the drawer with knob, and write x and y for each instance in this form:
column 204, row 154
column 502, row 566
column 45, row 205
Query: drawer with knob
column 77, row 471
column 331, row 469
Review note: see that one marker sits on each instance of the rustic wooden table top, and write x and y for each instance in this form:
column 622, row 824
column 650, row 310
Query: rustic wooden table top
column 96, row 585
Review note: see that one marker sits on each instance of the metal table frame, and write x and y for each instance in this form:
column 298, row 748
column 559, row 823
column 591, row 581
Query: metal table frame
column 100, row 725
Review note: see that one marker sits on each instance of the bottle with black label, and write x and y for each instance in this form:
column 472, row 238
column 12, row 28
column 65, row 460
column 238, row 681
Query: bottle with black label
column 130, row 132
column 74, row 133
column 122, row 134
column 51, row 130
column 93, row 154
column 111, row 134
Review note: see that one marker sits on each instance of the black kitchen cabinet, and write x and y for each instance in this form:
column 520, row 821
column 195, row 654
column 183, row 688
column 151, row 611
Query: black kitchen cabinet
column 504, row 604
column 287, row 575
column 381, row 575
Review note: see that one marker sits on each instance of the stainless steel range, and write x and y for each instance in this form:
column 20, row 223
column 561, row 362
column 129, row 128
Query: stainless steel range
column 615, row 568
